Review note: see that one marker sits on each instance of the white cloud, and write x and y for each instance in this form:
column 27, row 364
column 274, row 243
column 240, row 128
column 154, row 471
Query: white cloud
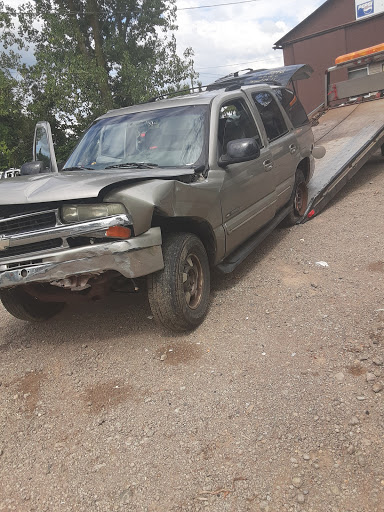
column 272, row 27
column 224, row 38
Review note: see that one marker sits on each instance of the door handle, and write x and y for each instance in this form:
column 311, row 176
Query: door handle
column 268, row 165
column 292, row 149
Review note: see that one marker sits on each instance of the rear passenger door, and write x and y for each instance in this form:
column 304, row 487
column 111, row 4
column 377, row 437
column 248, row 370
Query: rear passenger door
column 248, row 191
column 282, row 143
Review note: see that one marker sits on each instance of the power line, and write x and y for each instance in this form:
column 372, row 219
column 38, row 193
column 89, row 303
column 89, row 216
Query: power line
column 124, row 12
column 216, row 5
column 238, row 64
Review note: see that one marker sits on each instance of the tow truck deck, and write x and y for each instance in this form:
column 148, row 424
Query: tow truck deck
column 351, row 131
column 350, row 135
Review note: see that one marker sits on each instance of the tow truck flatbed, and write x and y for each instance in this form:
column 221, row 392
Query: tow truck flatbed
column 350, row 135
column 351, row 130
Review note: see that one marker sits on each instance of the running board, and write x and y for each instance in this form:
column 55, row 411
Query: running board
column 239, row 255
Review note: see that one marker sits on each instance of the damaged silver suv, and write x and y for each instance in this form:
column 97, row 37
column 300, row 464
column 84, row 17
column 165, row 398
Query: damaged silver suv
column 166, row 190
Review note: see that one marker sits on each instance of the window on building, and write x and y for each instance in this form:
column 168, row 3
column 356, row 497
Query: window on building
column 357, row 73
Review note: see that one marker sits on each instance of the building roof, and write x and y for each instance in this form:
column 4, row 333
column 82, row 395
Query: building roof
column 287, row 36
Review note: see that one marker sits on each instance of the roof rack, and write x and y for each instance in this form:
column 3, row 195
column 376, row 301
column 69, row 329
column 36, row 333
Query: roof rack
column 181, row 92
column 276, row 76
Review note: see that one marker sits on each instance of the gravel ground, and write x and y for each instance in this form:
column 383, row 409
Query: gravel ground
column 274, row 404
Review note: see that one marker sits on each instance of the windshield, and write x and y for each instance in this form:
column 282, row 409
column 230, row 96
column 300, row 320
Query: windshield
column 170, row 137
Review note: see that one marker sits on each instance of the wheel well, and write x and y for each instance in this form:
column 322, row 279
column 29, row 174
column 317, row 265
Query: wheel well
column 195, row 225
column 304, row 166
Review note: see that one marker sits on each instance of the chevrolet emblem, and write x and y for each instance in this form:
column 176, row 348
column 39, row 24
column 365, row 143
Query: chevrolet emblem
column 4, row 243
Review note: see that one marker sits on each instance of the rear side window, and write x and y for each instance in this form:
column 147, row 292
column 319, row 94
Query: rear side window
column 270, row 114
column 294, row 109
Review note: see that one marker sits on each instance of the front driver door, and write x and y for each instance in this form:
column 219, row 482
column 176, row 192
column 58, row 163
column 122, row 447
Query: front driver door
column 248, row 193
column 43, row 150
column 282, row 143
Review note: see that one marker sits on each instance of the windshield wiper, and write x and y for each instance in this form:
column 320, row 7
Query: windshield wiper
column 77, row 168
column 133, row 165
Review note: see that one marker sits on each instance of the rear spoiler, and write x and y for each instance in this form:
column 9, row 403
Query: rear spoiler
column 276, row 76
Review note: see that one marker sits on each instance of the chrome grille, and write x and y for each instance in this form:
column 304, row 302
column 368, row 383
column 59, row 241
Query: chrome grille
column 9, row 211
column 27, row 223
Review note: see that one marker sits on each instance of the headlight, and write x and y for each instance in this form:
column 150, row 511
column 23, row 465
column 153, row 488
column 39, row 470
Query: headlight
column 83, row 212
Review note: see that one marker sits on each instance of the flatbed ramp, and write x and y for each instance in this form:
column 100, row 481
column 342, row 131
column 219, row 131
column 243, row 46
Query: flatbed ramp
column 350, row 135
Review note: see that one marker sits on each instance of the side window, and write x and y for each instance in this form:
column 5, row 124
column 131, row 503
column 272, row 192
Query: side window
column 235, row 122
column 293, row 107
column 270, row 115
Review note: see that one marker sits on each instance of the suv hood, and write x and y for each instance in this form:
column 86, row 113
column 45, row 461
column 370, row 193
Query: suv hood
column 70, row 185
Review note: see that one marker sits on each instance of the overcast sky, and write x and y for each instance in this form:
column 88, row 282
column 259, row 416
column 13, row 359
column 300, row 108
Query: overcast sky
column 233, row 37
column 238, row 36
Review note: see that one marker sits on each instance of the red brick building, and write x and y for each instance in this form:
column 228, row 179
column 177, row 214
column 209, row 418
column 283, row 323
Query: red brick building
column 335, row 28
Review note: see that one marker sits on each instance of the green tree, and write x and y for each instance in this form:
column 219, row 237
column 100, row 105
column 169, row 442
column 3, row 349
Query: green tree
column 91, row 56
column 15, row 128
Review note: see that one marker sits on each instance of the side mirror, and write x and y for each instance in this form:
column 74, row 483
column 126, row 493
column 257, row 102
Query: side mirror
column 240, row 150
column 36, row 167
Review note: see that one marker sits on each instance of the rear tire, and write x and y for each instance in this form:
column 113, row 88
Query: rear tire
column 24, row 306
column 179, row 294
column 299, row 200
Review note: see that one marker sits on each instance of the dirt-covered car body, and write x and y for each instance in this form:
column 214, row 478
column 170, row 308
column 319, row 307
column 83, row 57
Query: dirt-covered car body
column 220, row 165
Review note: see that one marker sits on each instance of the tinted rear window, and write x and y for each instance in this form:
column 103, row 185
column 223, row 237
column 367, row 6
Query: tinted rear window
column 271, row 115
column 292, row 106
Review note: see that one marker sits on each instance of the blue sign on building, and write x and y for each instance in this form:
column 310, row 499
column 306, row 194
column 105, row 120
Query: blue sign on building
column 365, row 9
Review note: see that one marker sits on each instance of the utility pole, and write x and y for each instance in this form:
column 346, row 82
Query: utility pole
column 192, row 74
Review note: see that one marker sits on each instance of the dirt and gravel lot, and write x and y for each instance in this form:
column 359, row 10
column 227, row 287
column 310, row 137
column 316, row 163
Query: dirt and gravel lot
column 274, row 404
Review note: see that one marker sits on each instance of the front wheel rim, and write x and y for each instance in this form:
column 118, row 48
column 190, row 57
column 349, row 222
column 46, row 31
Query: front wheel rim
column 193, row 281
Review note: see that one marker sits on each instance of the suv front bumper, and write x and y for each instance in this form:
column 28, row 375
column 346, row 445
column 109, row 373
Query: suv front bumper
column 135, row 257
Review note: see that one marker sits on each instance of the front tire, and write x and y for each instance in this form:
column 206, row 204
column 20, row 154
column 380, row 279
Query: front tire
column 299, row 200
column 24, row 306
column 179, row 294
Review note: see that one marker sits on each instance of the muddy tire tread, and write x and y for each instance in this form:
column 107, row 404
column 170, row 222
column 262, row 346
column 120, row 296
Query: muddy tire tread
column 292, row 218
column 167, row 305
